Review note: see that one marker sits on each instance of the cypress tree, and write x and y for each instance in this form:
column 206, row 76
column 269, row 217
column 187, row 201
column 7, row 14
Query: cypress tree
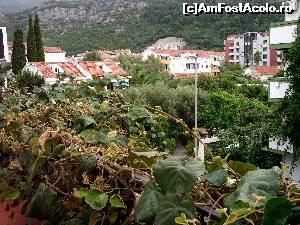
column 18, row 58
column 31, row 51
column 40, row 57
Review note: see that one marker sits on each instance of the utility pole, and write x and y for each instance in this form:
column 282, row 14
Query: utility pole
column 196, row 106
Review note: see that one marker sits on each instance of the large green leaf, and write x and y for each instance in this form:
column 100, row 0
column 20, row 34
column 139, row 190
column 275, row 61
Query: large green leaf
column 93, row 136
column 43, row 204
column 216, row 177
column 116, row 201
column 240, row 167
column 260, row 182
column 11, row 195
column 178, row 174
column 295, row 216
column 277, row 210
column 84, row 122
column 96, row 199
column 148, row 203
column 138, row 112
column 171, row 207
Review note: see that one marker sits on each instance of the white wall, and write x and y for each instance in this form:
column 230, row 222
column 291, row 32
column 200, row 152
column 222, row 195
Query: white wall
column 55, row 57
column 283, row 35
column 295, row 15
column 293, row 173
column 6, row 56
column 278, row 89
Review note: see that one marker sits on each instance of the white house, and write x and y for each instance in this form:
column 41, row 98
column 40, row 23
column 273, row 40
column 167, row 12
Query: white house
column 184, row 63
column 3, row 45
column 52, row 54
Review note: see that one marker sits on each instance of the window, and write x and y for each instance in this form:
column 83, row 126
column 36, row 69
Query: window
column 265, row 42
column 188, row 66
column 56, row 70
column 265, row 49
column 265, row 56
column 265, row 63
column 206, row 66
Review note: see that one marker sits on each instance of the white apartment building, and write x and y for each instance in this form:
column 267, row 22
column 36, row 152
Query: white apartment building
column 3, row 45
column 241, row 49
column 182, row 63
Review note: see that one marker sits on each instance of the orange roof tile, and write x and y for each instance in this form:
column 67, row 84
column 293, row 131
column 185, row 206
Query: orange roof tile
column 116, row 69
column 267, row 70
column 71, row 69
column 92, row 68
column 45, row 69
column 53, row 50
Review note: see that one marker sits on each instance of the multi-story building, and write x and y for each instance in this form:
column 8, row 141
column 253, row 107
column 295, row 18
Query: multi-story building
column 182, row 63
column 3, row 44
column 282, row 36
column 241, row 49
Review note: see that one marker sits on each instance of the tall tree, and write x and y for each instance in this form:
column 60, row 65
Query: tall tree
column 291, row 103
column 31, row 48
column 40, row 57
column 18, row 60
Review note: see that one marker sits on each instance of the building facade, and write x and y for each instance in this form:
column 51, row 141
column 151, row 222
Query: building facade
column 185, row 63
column 3, row 45
column 241, row 49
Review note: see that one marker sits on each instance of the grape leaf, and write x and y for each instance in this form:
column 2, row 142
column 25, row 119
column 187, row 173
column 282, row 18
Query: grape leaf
column 116, row 201
column 261, row 182
column 148, row 203
column 277, row 211
column 178, row 174
column 96, row 199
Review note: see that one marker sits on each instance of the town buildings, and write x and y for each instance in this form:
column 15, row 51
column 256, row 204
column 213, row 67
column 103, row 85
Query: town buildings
column 80, row 71
column 182, row 63
column 107, row 54
column 241, row 49
column 3, row 45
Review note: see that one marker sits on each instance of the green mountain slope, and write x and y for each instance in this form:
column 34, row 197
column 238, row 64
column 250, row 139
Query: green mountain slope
column 80, row 25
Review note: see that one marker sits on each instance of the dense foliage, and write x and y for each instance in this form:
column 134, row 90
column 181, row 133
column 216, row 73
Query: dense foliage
column 18, row 57
column 291, row 104
column 39, row 43
column 92, row 56
column 31, row 45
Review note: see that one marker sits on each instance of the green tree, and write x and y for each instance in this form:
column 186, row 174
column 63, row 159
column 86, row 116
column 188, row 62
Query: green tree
column 40, row 56
column 18, row 53
column 291, row 103
column 92, row 56
column 29, row 80
column 257, row 57
column 31, row 48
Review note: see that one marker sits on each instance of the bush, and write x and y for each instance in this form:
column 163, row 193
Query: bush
column 29, row 80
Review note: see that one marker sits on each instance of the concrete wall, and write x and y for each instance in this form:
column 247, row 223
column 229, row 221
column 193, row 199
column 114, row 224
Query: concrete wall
column 55, row 57
column 6, row 56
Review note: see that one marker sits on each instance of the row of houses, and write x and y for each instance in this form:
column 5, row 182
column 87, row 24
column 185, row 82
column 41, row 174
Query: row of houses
column 80, row 71
column 185, row 63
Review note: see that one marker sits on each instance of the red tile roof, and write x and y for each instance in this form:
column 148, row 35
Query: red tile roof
column 116, row 69
column 71, row 69
column 92, row 68
column 53, row 50
column 45, row 69
column 267, row 70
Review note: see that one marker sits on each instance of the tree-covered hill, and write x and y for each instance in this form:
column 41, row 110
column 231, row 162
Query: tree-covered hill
column 92, row 24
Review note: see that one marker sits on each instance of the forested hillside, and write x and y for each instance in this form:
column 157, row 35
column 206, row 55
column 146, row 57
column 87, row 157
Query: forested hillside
column 90, row 24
